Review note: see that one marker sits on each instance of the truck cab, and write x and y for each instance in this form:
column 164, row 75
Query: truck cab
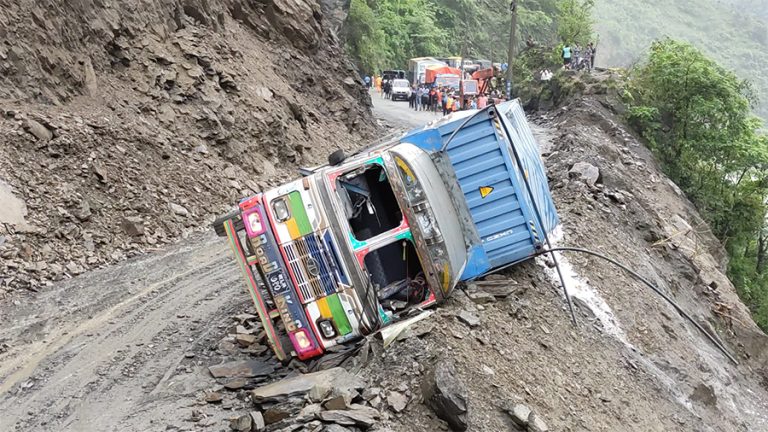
column 349, row 248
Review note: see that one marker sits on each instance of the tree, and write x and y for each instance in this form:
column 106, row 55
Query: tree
column 696, row 115
column 363, row 37
column 574, row 21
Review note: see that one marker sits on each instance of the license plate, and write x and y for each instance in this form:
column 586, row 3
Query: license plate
column 278, row 283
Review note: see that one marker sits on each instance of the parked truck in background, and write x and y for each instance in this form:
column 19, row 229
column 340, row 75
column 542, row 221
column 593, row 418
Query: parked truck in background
column 356, row 244
column 417, row 68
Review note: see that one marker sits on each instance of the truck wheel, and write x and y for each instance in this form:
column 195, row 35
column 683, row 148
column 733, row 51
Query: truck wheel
column 218, row 224
column 336, row 158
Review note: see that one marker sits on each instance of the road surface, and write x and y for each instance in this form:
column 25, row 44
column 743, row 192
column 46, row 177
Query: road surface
column 98, row 352
column 109, row 350
column 397, row 113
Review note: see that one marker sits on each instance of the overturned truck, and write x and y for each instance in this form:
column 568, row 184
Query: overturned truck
column 357, row 244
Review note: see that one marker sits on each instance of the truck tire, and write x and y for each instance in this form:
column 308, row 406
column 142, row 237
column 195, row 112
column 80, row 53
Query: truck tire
column 218, row 224
column 336, row 158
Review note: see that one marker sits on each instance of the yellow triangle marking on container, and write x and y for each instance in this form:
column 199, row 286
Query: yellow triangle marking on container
column 485, row 191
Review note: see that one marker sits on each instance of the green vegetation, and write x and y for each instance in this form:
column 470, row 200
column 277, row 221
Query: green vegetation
column 696, row 116
column 383, row 34
column 733, row 32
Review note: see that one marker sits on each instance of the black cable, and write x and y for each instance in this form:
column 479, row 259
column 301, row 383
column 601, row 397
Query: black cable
column 641, row 279
column 462, row 125
column 536, row 211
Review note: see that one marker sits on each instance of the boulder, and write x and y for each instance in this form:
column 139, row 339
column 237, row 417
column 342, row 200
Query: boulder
column 245, row 340
column 335, row 378
column 179, row 210
column 36, row 129
column 240, row 424
column 446, row 395
column 339, row 401
column 585, row 172
column 357, row 415
column 257, row 421
column 519, row 414
column 468, row 318
column 133, row 226
column 397, row 401
column 536, row 424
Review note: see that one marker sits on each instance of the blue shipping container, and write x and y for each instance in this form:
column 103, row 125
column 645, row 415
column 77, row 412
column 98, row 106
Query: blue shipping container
column 491, row 154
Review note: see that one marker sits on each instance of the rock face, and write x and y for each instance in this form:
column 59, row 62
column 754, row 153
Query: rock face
column 164, row 112
column 446, row 395
column 336, row 12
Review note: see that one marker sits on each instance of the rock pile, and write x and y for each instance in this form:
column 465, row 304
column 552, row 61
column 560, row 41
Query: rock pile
column 329, row 400
column 130, row 125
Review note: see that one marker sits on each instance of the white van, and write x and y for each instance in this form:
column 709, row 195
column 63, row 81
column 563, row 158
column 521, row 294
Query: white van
column 401, row 89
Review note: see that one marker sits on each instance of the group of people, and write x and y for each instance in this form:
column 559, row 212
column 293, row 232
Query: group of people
column 578, row 58
column 383, row 86
column 448, row 99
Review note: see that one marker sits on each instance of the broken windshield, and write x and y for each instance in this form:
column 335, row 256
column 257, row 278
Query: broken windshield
column 369, row 202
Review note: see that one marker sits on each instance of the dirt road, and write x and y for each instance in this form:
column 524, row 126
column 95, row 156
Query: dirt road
column 397, row 113
column 97, row 353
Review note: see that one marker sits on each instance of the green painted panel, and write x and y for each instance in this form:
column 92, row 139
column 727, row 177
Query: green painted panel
column 300, row 213
column 339, row 316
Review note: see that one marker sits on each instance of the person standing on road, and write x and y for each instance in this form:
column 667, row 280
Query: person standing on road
column 447, row 104
column 367, row 81
column 576, row 56
column 592, row 52
column 412, row 98
column 424, row 99
column 438, row 100
column 378, row 83
column 432, row 99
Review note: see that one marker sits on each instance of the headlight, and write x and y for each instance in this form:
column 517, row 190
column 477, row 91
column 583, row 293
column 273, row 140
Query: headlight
column 254, row 223
column 301, row 341
column 326, row 328
column 280, row 208
column 425, row 224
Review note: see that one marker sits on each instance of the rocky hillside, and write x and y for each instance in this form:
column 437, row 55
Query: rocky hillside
column 126, row 124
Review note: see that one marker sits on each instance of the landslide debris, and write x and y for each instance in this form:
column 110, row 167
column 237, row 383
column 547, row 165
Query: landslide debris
column 516, row 363
column 127, row 124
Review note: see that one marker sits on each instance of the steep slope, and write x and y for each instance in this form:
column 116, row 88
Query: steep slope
column 633, row 363
column 128, row 123
column 734, row 32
